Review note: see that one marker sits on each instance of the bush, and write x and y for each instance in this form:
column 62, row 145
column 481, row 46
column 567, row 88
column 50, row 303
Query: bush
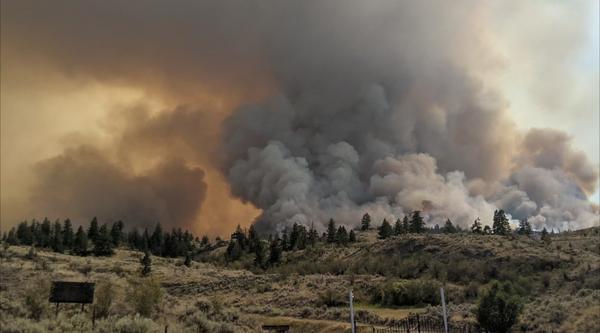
column 135, row 324
column 331, row 297
column 36, row 298
column 499, row 308
column 407, row 292
column 105, row 294
column 144, row 295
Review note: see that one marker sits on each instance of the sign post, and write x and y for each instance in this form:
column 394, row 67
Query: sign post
column 352, row 324
column 444, row 309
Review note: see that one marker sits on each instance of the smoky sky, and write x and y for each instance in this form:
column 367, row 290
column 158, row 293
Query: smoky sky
column 341, row 108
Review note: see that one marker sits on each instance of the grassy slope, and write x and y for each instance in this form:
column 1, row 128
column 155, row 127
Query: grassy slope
column 569, row 264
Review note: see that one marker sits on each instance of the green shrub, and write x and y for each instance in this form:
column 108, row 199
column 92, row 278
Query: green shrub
column 105, row 294
column 407, row 292
column 499, row 308
column 144, row 295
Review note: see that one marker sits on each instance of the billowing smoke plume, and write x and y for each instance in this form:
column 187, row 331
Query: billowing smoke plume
column 379, row 107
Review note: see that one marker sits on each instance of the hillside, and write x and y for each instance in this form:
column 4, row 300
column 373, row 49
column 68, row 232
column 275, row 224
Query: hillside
column 557, row 280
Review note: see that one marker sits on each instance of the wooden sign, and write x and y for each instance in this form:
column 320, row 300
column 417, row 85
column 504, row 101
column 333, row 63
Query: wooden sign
column 72, row 292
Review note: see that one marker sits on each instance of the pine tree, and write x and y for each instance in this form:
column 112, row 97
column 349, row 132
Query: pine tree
column 188, row 259
column 331, row 231
column 449, row 228
column 157, row 241
column 476, row 227
column 80, row 243
column 405, row 225
column 545, row 235
column 103, row 245
column 416, row 223
column 313, row 236
column 385, row 230
column 352, row 237
column 260, row 252
column 57, row 238
column 146, row 263
column 398, row 227
column 341, row 236
column 68, row 236
column 500, row 225
column 92, row 233
column 116, row 233
column 11, row 238
column 253, row 239
column 365, row 223
column 205, row 241
column 45, row 233
column 524, row 228
column 275, row 252
column 24, row 234
column 234, row 251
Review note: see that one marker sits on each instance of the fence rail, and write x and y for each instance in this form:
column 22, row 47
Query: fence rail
column 415, row 324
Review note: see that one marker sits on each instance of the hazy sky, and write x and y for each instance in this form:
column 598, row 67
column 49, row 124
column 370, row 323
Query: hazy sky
column 100, row 76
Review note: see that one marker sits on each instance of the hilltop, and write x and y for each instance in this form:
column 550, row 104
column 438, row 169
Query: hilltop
column 557, row 280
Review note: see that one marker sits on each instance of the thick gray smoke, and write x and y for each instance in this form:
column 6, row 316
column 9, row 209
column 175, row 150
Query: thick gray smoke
column 380, row 113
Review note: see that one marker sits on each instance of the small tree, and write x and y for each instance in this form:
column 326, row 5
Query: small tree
column 524, row 228
column 385, row 230
column 341, row 236
column 68, row 235
column 80, row 243
column 417, row 225
column 398, row 227
column 57, row 238
column 498, row 308
column 104, row 295
column 365, row 223
column 331, row 231
column 275, row 252
column 487, row 230
column 104, row 244
column 144, row 295
column 146, row 263
column 187, row 261
column 476, row 227
column 260, row 251
column 405, row 225
column 116, row 233
column 545, row 235
column 93, row 231
column 352, row 237
column 500, row 225
column 449, row 228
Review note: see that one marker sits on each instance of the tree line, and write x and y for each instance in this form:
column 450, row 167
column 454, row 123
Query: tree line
column 101, row 240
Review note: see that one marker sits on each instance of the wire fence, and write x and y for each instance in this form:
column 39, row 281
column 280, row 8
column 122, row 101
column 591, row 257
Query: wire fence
column 416, row 324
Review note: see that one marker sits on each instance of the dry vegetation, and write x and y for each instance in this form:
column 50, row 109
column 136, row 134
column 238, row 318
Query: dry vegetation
column 558, row 282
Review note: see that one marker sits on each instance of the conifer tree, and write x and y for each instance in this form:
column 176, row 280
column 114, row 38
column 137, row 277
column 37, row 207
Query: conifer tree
column 68, row 236
column 146, row 263
column 365, row 223
column 524, row 227
column 313, row 236
column 385, row 230
column 11, row 238
column 352, row 237
column 234, row 251
column 57, row 238
column 205, row 241
column 545, row 235
column 341, row 236
column 80, row 243
column 92, row 233
column 500, row 225
column 157, row 241
column 476, row 227
column 45, row 233
column 260, row 252
column 275, row 252
column 116, row 233
column 103, row 245
column 405, row 225
column 398, row 227
column 253, row 239
column 188, row 259
column 416, row 223
column 331, row 231
column 449, row 228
